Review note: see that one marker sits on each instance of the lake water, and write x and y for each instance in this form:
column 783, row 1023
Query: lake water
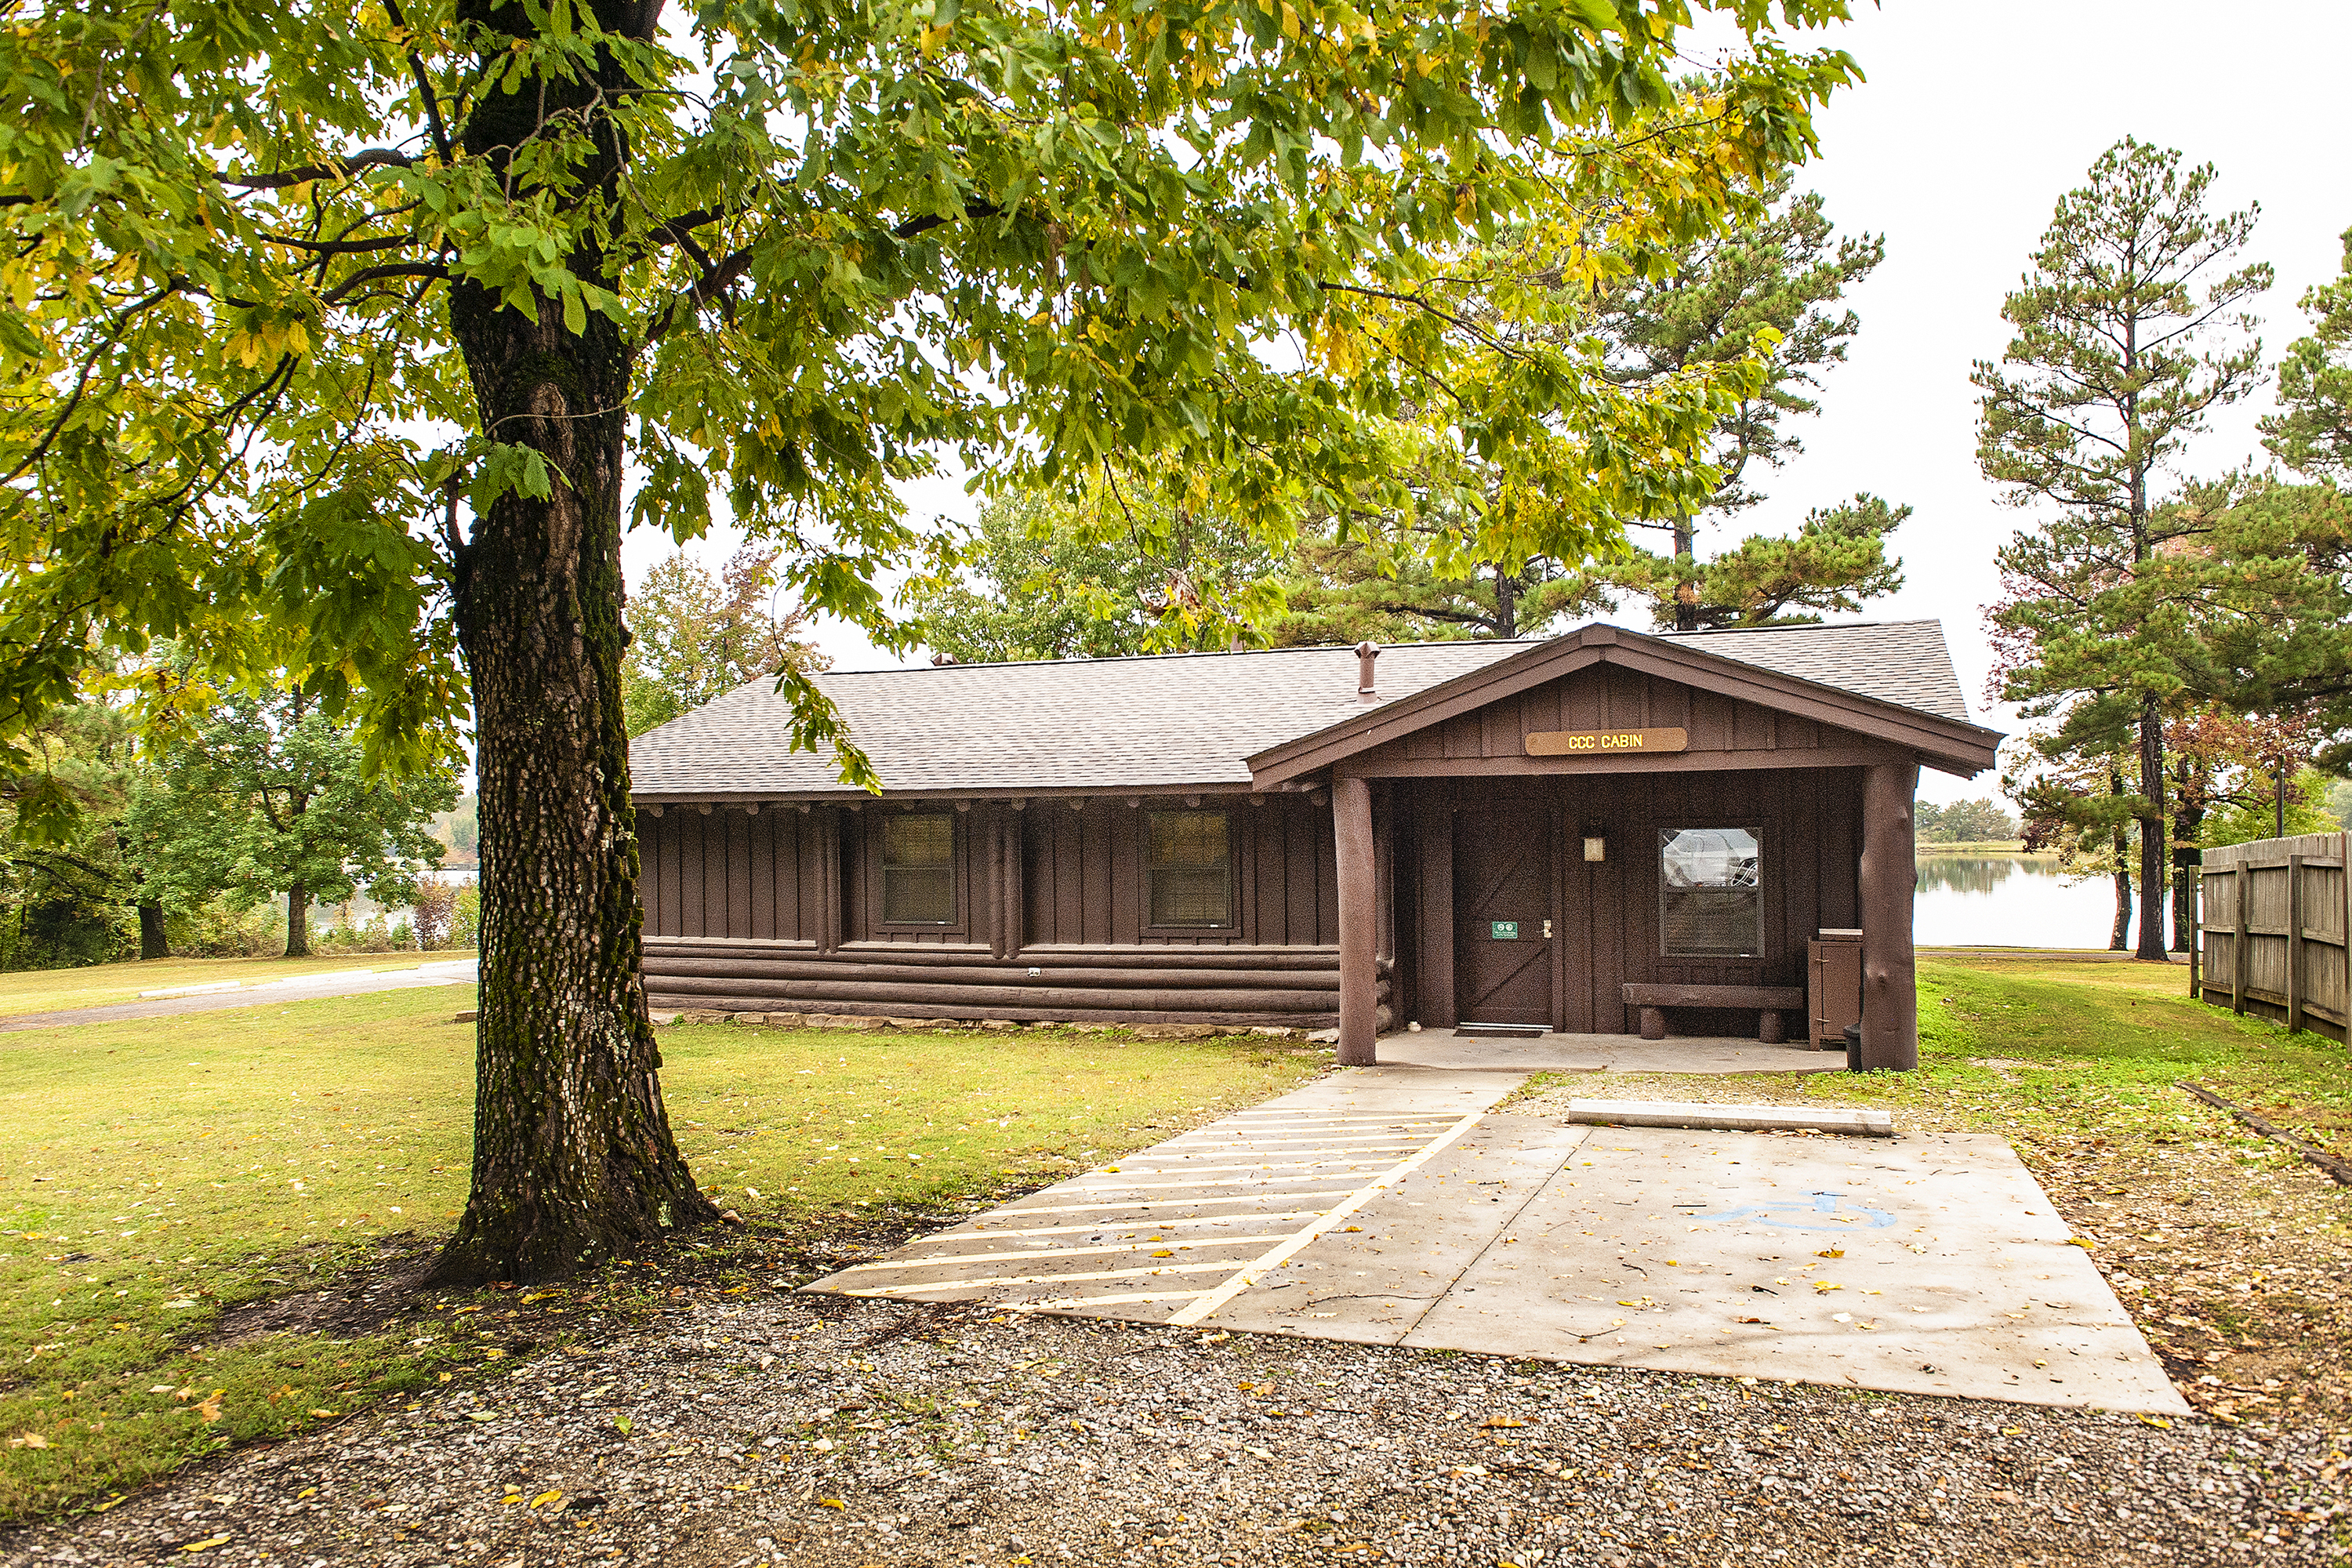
column 2012, row 901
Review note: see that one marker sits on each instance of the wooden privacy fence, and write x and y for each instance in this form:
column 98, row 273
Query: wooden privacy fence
column 2275, row 924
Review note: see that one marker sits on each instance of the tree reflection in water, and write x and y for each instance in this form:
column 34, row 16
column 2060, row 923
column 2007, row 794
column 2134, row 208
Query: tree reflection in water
column 1980, row 873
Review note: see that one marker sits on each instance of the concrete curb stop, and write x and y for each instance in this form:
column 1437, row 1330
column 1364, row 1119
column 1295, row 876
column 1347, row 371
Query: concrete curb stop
column 1732, row 1118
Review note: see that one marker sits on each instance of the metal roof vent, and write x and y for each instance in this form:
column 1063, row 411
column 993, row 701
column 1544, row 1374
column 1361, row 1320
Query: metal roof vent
column 1366, row 690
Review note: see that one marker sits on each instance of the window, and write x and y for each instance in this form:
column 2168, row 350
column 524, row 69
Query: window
column 918, row 870
column 1192, row 873
column 1710, row 893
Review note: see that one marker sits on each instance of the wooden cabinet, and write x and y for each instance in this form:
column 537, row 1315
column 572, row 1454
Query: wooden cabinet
column 1833, row 985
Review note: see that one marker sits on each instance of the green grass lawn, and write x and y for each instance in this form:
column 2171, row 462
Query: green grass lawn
column 158, row 1175
column 97, row 984
column 2070, row 1046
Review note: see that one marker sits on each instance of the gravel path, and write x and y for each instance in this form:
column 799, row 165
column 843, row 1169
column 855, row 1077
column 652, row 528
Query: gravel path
column 774, row 1428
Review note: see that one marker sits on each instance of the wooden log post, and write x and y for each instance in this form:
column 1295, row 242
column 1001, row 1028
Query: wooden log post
column 826, row 821
column 1351, row 825
column 1890, row 994
column 2242, row 956
column 2295, row 944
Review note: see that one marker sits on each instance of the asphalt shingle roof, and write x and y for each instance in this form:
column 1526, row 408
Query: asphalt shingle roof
column 1172, row 719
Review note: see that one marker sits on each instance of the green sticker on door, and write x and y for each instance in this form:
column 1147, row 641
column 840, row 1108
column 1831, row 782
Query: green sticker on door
column 1505, row 930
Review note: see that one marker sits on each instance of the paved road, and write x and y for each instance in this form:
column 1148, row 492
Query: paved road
column 295, row 988
column 1392, row 1206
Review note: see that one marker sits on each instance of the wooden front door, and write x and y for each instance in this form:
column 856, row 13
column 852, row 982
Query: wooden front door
column 1503, row 917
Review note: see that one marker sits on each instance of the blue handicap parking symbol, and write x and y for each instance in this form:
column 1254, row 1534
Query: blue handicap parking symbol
column 1826, row 1211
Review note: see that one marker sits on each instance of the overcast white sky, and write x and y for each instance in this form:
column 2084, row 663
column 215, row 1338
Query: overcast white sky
column 1974, row 119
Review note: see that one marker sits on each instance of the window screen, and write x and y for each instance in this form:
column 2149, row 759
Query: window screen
column 1191, row 874
column 1710, row 893
column 918, row 870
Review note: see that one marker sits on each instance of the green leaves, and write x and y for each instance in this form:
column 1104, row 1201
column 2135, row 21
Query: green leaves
column 1205, row 247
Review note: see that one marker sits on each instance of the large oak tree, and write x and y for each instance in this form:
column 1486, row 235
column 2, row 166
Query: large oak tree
column 368, row 327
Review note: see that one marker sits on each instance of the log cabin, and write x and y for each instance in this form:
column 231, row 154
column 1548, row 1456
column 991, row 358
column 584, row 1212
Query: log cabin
column 1600, row 832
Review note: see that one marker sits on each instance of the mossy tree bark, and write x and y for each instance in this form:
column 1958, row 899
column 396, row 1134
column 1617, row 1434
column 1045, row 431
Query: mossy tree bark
column 574, row 1159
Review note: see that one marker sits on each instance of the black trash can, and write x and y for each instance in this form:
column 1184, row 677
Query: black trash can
column 1854, row 1047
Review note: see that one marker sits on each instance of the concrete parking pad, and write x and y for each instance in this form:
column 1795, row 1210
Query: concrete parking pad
column 1392, row 1206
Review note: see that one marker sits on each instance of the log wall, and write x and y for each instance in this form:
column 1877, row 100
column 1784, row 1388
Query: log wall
column 1294, row 987
column 2273, row 937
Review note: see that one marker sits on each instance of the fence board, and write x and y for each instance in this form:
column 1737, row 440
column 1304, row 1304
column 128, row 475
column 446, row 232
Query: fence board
column 2276, row 932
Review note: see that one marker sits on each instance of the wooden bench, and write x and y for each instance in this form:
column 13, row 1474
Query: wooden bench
column 1771, row 1002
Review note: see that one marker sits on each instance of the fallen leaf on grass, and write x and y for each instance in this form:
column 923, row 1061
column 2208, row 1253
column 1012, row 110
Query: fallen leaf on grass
column 209, row 1409
column 29, row 1441
column 324, row 1414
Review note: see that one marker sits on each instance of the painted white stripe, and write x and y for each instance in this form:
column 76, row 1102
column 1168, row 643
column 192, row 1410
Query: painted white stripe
column 1165, row 1202
column 1043, row 1279
column 1248, row 1275
column 1216, row 1182
column 1223, row 1150
column 1062, row 1304
column 1047, row 1254
column 1336, row 1159
column 1254, row 1217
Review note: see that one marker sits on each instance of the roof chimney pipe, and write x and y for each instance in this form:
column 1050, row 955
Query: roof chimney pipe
column 1366, row 652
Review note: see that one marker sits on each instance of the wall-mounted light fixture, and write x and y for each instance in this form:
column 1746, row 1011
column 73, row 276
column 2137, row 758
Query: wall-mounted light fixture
column 1596, row 841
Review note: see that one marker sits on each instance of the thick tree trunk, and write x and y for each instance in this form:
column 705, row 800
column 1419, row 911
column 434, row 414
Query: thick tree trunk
column 574, row 1159
column 298, row 922
column 152, row 943
column 2153, row 880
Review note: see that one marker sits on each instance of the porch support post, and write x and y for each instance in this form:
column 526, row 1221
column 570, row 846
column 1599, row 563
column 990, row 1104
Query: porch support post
column 1890, row 992
column 1359, row 918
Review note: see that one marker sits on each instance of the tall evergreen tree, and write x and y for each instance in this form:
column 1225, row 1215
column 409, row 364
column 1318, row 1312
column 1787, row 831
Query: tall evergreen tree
column 1786, row 272
column 2129, row 334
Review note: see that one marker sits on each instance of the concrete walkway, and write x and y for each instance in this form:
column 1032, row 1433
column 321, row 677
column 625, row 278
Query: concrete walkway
column 271, row 992
column 1392, row 1206
column 1599, row 1053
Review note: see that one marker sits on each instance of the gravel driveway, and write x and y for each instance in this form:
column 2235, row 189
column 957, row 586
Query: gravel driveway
column 778, row 1428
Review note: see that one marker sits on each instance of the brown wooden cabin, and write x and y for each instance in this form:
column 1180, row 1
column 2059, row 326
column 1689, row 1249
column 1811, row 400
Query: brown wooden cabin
column 1503, row 833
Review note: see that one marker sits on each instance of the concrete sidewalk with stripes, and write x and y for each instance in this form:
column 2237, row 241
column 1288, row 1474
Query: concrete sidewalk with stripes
column 1395, row 1205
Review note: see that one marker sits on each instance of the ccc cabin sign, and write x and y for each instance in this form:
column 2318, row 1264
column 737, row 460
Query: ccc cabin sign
column 1582, row 742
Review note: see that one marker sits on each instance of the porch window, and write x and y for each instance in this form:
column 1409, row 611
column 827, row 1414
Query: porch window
column 1191, row 868
column 918, row 870
column 1710, row 892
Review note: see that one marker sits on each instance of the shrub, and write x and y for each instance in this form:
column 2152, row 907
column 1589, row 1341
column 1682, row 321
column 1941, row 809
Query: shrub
column 437, row 899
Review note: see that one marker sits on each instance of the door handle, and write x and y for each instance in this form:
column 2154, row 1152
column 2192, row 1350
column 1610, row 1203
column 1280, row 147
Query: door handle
column 1547, row 931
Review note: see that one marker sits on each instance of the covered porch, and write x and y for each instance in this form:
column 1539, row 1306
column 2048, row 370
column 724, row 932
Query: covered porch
column 1610, row 831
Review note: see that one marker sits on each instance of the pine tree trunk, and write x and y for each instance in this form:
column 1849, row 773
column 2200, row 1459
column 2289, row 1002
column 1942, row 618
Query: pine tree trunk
column 2188, row 827
column 153, row 941
column 2153, row 880
column 574, row 1159
column 1685, row 583
column 298, row 922
column 2119, row 939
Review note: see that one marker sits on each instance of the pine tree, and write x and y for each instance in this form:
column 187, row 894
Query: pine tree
column 2127, row 336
